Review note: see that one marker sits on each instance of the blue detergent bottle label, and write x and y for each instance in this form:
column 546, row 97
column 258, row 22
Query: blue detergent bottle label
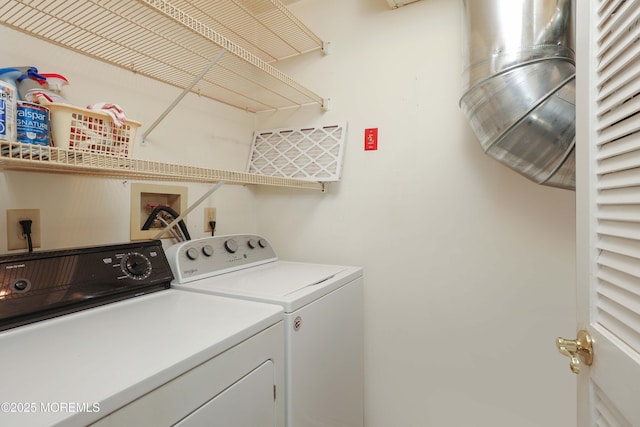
column 8, row 96
column 3, row 119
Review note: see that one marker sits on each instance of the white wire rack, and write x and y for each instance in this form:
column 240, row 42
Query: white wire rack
column 265, row 28
column 313, row 153
column 174, row 41
column 27, row 157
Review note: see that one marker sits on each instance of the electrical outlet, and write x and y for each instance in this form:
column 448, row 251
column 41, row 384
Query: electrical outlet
column 16, row 239
column 209, row 215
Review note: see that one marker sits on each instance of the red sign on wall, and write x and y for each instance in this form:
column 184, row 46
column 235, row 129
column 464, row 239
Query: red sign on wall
column 371, row 139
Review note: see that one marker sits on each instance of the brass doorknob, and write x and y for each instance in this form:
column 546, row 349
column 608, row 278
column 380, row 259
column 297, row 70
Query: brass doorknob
column 579, row 350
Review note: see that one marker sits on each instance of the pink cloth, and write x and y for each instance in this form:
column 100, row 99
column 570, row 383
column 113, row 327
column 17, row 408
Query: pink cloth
column 114, row 110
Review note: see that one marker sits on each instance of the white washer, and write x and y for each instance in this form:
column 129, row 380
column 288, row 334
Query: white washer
column 159, row 359
column 323, row 319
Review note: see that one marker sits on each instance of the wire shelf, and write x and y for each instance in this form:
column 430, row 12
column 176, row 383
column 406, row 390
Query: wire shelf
column 28, row 157
column 173, row 41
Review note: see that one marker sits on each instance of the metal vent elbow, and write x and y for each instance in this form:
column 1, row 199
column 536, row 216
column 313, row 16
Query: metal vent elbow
column 519, row 89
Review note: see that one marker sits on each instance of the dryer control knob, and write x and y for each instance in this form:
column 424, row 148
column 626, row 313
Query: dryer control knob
column 262, row 243
column 207, row 250
column 231, row 246
column 252, row 243
column 192, row 253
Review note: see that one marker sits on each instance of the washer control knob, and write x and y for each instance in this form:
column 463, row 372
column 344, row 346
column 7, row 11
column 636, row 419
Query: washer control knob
column 21, row 285
column 262, row 243
column 136, row 265
column 252, row 243
column 231, row 246
column 207, row 250
column 192, row 254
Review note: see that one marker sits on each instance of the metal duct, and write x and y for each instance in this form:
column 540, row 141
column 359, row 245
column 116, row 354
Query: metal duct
column 519, row 85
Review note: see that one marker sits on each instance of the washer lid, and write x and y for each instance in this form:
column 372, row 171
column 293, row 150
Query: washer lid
column 273, row 280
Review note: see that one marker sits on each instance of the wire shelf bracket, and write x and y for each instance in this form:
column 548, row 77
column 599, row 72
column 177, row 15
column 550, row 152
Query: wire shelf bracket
column 182, row 95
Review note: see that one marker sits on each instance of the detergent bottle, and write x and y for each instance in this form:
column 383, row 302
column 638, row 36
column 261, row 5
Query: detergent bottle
column 29, row 79
column 55, row 82
column 8, row 100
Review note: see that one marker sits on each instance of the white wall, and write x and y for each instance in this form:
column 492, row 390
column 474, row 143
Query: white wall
column 77, row 211
column 469, row 267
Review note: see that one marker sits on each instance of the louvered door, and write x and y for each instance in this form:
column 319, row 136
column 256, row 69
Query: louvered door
column 608, row 208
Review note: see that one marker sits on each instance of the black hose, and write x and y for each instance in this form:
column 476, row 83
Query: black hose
column 26, row 229
column 170, row 211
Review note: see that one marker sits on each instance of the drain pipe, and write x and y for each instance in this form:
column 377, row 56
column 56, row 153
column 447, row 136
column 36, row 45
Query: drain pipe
column 519, row 85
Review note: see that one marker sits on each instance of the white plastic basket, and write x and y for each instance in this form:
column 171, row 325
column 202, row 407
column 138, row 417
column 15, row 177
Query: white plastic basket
column 80, row 129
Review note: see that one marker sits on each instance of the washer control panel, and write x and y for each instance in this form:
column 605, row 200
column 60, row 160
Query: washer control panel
column 211, row 256
column 40, row 285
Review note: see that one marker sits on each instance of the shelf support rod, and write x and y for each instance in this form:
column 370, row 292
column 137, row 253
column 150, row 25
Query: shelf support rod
column 184, row 93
